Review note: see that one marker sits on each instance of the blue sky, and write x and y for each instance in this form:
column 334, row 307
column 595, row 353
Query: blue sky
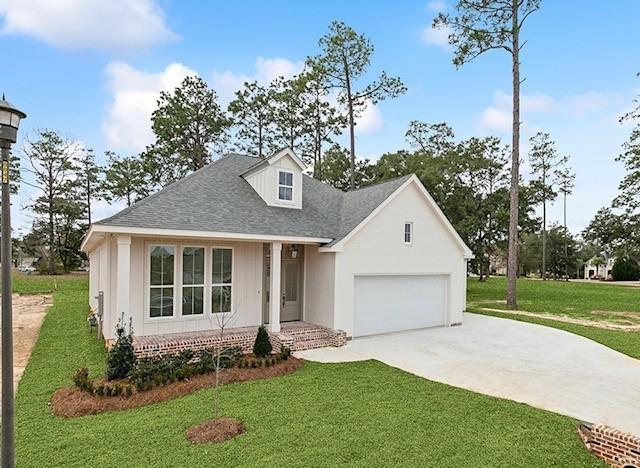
column 92, row 69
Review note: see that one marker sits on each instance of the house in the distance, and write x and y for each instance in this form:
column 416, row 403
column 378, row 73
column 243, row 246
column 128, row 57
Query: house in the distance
column 599, row 267
column 259, row 242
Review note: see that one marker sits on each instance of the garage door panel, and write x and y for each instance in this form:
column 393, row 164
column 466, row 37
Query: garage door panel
column 385, row 304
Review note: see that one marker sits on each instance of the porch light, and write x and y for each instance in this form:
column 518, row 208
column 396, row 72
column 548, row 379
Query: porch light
column 294, row 252
column 10, row 117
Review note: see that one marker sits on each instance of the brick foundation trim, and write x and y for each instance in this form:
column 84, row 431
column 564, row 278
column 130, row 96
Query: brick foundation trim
column 617, row 448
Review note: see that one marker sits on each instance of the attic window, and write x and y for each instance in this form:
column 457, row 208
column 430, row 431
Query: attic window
column 285, row 185
column 408, row 233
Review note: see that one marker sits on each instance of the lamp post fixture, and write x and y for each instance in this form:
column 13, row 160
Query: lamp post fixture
column 10, row 118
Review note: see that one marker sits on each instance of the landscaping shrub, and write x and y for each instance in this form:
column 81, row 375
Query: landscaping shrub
column 81, row 379
column 262, row 345
column 206, row 359
column 285, row 353
column 159, row 370
column 121, row 358
column 625, row 269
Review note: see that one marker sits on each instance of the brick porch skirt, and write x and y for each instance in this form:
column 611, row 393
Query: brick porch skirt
column 296, row 336
column 617, row 448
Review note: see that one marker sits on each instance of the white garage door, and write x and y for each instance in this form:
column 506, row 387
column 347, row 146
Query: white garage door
column 392, row 303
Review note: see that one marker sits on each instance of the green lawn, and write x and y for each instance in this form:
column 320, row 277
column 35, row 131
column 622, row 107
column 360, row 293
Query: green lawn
column 591, row 301
column 356, row 414
column 40, row 284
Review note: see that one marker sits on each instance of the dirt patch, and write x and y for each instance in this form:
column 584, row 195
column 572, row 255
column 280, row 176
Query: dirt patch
column 28, row 314
column 215, row 430
column 626, row 317
column 563, row 318
column 70, row 402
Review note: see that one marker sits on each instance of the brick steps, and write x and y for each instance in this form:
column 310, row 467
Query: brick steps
column 309, row 344
column 304, row 338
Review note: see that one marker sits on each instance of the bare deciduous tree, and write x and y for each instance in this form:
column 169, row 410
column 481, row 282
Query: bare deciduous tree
column 221, row 320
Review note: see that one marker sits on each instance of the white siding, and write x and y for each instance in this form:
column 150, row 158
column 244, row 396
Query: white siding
column 379, row 248
column 265, row 182
column 246, row 297
column 319, row 286
column 94, row 278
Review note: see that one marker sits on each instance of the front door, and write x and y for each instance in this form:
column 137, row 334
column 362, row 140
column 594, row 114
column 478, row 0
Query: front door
column 291, row 295
column 291, row 283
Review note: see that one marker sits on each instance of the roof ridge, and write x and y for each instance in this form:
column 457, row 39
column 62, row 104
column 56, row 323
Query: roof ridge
column 378, row 184
column 345, row 200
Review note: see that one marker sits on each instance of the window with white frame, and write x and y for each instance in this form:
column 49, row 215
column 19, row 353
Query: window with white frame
column 221, row 280
column 161, row 280
column 192, row 280
column 408, row 233
column 285, row 185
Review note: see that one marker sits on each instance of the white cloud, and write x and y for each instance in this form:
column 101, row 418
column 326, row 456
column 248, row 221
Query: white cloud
column 436, row 5
column 438, row 37
column 135, row 95
column 370, row 120
column 536, row 102
column 268, row 69
column 115, row 25
column 227, row 82
column 494, row 118
column 587, row 103
column 497, row 116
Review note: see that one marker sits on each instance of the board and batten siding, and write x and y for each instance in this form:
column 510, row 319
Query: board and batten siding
column 379, row 249
column 319, row 286
column 246, row 281
column 265, row 182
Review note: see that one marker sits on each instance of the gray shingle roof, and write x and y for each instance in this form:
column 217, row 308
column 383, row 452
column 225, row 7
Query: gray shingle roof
column 217, row 198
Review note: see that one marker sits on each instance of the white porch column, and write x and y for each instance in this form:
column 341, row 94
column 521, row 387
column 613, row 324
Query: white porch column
column 123, row 278
column 104, row 285
column 274, row 287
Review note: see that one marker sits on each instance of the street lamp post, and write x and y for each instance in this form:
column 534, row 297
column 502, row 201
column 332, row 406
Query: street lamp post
column 10, row 118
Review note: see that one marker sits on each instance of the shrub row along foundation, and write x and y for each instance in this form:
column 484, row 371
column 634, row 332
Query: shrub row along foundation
column 619, row 449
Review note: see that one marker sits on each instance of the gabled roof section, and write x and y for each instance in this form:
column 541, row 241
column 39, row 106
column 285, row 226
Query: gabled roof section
column 359, row 198
column 217, row 199
column 273, row 159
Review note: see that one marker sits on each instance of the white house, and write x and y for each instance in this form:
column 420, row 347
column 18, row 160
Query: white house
column 242, row 231
column 596, row 270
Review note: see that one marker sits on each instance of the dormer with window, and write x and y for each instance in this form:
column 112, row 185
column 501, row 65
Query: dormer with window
column 278, row 179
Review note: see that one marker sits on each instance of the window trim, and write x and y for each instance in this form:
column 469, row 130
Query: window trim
column 203, row 285
column 211, row 284
column 404, row 233
column 149, row 286
column 292, row 186
column 177, row 308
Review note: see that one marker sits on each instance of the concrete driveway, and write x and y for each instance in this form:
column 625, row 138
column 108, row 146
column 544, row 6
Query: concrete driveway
column 541, row 366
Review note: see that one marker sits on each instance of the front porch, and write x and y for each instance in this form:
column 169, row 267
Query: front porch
column 296, row 336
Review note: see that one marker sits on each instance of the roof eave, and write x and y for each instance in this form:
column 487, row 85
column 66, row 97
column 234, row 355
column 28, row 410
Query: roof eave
column 103, row 229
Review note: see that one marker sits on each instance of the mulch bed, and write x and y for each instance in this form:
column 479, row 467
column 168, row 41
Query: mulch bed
column 215, row 430
column 71, row 402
